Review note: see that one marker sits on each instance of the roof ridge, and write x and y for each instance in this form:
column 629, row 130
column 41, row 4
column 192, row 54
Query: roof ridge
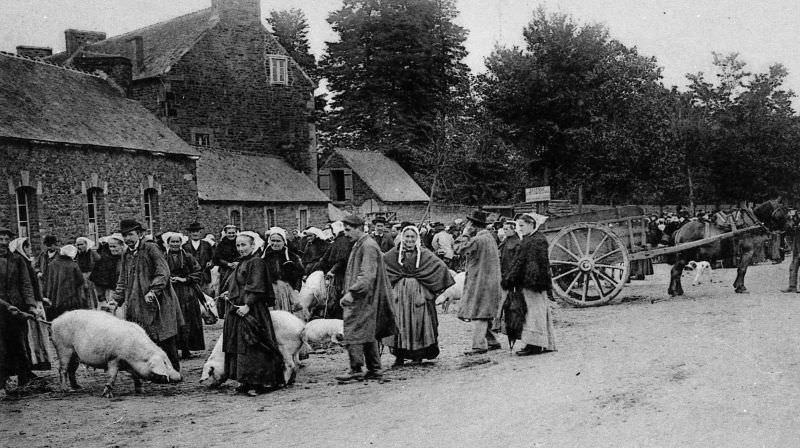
column 40, row 61
column 153, row 25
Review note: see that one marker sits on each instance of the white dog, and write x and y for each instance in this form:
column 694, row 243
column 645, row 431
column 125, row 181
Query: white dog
column 700, row 268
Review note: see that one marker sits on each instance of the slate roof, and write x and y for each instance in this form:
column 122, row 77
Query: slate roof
column 164, row 43
column 384, row 176
column 40, row 101
column 234, row 177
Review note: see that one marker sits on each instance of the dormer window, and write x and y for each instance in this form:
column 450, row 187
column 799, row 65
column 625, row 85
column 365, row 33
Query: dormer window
column 278, row 70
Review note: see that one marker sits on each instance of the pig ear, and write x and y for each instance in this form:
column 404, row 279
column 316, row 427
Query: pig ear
column 339, row 337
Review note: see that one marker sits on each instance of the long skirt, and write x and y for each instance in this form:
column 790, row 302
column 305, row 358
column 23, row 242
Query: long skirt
column 89, row 293
column 190, row 336
column 538, row 327
column 415, row 315
column 39, row 344
column 251, row 364
column 285, row 296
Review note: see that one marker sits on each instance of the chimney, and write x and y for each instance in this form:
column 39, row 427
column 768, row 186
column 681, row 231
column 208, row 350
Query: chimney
column 34, row 52
column 137, row 54
column 75, row 39
column 238, row 11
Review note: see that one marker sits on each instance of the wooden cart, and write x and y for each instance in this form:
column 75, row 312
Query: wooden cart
column 591, row 253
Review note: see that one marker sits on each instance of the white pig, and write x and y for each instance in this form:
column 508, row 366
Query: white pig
column 313, row 293
column 453, row 293
column 214, row 367
column 98, row 339
column 289, row 334
column 323, row 330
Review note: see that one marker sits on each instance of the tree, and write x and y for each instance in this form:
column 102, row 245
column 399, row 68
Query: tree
column 751, row 130
column 585, row 112
column 392, row 74
column 290, row 28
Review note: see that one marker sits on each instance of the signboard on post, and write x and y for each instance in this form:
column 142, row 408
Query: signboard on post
column 537, row 194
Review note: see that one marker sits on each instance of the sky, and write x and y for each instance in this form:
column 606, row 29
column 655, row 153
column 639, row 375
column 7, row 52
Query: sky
column 681, row 34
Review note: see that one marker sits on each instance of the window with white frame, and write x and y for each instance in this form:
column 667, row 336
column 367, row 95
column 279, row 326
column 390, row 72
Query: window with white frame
column 202, row 139
column 278, row 70
column 302, row 218
column 23, row 213
column 269, row 218
column 236, row 219
column 92, row 199
column 150, row 209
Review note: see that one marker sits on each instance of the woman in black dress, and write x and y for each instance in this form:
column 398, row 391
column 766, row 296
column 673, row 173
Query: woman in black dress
column 251, row 350
column 185, row 275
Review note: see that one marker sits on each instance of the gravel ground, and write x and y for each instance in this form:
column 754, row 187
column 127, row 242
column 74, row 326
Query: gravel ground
column 716, row 369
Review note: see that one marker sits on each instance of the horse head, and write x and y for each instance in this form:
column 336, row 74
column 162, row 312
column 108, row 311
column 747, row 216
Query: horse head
column 774, row 214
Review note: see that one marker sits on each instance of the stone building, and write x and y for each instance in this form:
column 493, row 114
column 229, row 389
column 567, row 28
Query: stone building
column 256, row 192
column 220, row 81
column 371, row 184
column 78, row 156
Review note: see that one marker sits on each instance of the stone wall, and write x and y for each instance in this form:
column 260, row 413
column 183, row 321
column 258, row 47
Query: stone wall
column 58, row 177
column 222, row 87
column 215, row 215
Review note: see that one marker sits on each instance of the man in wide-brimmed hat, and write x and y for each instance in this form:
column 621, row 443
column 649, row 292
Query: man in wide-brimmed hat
column 482, row 291
column 144, row 284
column 199, row 249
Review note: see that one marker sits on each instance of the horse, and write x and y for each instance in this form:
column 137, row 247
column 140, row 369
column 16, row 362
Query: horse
column 771, row 215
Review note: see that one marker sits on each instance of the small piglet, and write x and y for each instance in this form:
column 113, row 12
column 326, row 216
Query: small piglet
column 324, row 330
column 98, row 339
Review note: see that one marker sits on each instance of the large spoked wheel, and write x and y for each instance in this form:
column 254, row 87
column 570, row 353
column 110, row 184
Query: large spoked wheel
column 589, row 264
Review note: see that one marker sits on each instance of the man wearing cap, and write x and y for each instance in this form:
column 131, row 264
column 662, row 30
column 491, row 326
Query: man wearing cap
column 17, row 290
column 367, row 313
column 200, row 250
column 144, row 285
column 482, row 291
column 46, row 257
column 87, row 257
column 442, row 244
column 381, row 236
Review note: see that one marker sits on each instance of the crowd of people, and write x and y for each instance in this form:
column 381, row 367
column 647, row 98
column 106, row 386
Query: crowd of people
column 384, row 277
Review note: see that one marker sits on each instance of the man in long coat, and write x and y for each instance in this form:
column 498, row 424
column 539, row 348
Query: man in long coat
column 482, row 292
column 16, row 289
column 200, row 250
column 367, row 313
column 144, row 285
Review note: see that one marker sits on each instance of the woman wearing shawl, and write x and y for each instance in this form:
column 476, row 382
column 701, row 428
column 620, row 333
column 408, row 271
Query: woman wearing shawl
column 254, row 362
column 64, row 285
column 185, row 275
column 284, row 269
column 530, row 271
column 22, row 247
column 37, row 333
column 417, row 276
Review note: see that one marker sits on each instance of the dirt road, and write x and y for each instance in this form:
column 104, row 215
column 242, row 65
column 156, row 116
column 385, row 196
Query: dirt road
column 715, row 370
